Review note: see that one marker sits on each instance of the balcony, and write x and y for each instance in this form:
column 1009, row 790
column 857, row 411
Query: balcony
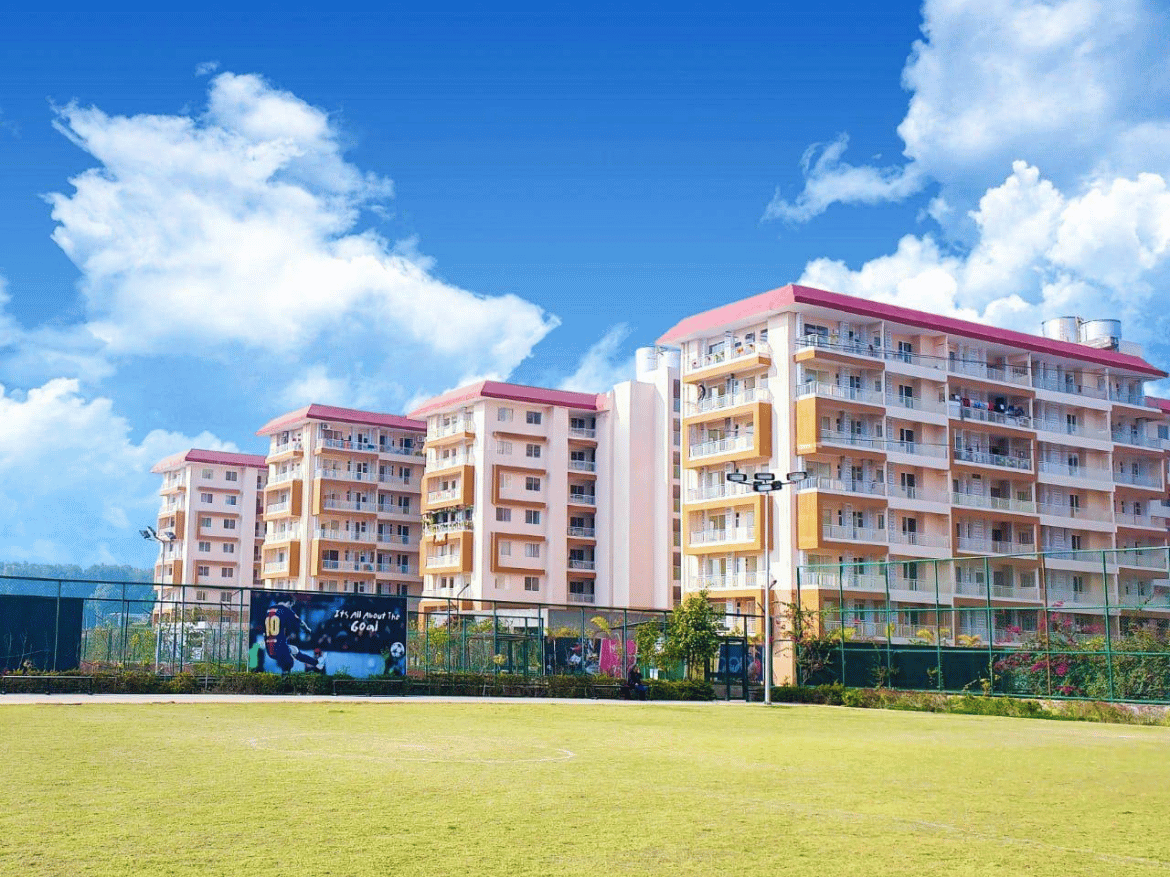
column 720, row 401
column 1137, row 439
column 718, row 490
column 583, row 465
column 347, row 565
column 283, row 447
column 1084, row 473
column 583, row 499
column 284, row 534
column 1126, row 519
column 1080, row 513
column 925, row 540
column 715, row 447
column 979, row 501
column 841, row 485
column 285, row 477
column 1138, row 479
column 344, row 445
column 581, row 563
column 443, row 561
column 847, row 581
column 851, row 439
column 582, row 532
column 1018, row 461
column 390, row 508
column 582, row 432
column 402, row 569
column 730, row 581
column 986, row 415
column 919, row 494
column 1068, row 386
column 575, row 597
column 914, row 403
column 277, row 508
column 450, row 493
column 1125, row 397
column 401, row 451
column 729, row 535
column 1146, row 558
column 841, row 533
column 980, row 545
column 834, row 391
column 436, row 463
column 345, row 475
column 333, row 504
column 345, row 535
column 917, row 449
column 1008, row 374
column 273, row 567
column 455, row 426
column 1062, row 427
column 739, row 354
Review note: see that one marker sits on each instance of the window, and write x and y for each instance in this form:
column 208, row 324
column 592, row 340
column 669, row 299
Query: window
column 231, row 499
column 532, row 516
column 204, row 546
column 205, row 522
column 532, row 417
column 531, row 483
column 259, row 481
column 505, row 548
column 231, row 476
column 532, row 549
column 503, row 515
column 504, row 447
column 203, row 570
column 229, row 548
column 200, row 596
column 532, row 583
column 225, row 597
column 229, row 524
column 206, row 497
column 404, row 472
column 504, row 415
column 532, row 450
column 207, row 475
column 227, row 573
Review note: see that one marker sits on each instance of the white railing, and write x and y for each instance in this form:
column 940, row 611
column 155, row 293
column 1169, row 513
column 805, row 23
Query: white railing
column 1139, row 479
column 920, row 494
column 436, row 463
column 1140, row 439
column 582, row 532
column 284, row 534
column 402, row 569
column 972, row 544
column 1062, row 427
column 987, row 458
column 387, row 478
column 331, row 503
column 344, row 445
column 583, row 498
column 897, row 537
column 729, row 581
column 1011, row 374
column 1086, row 473
column 290, row 445
column 443, row 495
column 345, row 474
column 917, row 449
column 459, row 424
column 735, row 354
column 719, row 490
column 1148, row 558
column 582, row 564
column 348, row 565
column 986, row 415
column 582, row 432
column 848, row 581
column 401, row 450
column 978, row 501
column 914, row 403
column 1068, row 595
column 583, row 465
column 839, row 533
column 730, row 534
column 275, row 566
column 1056, row 385
column 841, row 485
column 389, row 508
column 449, row 527
column 1127, row 397
column 1064, row 510
column 277, row 508
column 718, row 401
column 284, row 477
column 835, row 391
column 722, row 446
column 344, row 535
column 856, row 440
column 575, row 597
column 443, row 561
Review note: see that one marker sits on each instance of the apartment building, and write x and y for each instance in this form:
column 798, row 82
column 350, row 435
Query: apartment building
column 552, row 496
column 923, row 438
column 341, row 505
column 208, row 522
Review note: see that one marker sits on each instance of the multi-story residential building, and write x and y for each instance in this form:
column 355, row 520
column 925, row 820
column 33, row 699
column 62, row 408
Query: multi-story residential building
column 923, row 438
column 341, row 506
column 550, row 496
column 210, row 506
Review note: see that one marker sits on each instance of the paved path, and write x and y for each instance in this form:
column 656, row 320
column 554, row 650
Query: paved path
column 82, row 699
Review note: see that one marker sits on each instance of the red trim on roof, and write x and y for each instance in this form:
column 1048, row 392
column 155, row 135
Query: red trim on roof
column 218, row 458
column 1162, row 404
column 787, row 296
column 513, row 392
column 342, row 415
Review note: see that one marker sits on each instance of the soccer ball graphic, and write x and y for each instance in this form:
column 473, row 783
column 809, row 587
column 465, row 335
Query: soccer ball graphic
column 397, row 650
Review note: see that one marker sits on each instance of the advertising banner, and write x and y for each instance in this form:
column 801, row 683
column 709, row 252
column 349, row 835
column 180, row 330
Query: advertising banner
column 309, row 632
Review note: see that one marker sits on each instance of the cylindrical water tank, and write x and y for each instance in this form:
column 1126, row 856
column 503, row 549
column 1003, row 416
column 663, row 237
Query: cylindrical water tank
column 671, row 358
column 1062, row 329
column 645, row 362
column 1101, row 333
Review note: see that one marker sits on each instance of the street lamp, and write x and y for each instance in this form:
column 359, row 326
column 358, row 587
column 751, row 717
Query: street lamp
column 767, row 483
column 165, row 538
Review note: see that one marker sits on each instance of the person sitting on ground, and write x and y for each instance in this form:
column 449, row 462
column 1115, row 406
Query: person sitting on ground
column 634, row 683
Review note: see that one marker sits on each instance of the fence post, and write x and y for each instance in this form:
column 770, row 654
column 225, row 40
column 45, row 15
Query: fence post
column 938, row 630
column 496, row 638
column 841, row 617
column 797, row 611
column 125, row 624
column 1108, row 626
column 889, row 623
column 57, row 627
column 1042, row 582
column 990, row 624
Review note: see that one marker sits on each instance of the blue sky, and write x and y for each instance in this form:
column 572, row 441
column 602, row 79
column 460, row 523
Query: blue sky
column 212, row 216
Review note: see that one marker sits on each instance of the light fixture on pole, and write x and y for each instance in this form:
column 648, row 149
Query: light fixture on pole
column 165, row 538
column 767, row 483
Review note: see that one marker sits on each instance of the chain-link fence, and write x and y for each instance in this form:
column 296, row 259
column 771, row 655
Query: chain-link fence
column 1069, row 623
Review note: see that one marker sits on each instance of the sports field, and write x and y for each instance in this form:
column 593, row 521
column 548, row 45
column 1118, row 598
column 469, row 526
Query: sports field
column 312, row 789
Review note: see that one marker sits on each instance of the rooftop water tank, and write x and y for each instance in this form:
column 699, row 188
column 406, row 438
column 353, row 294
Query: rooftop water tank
column 1103, row 334
column 1062, row 329
column 645, row 362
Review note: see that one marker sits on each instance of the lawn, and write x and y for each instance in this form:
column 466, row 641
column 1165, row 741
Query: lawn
column 595, row 789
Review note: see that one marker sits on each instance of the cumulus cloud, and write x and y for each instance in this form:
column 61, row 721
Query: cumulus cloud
column 237, row 233
column 74, row 484
column 603, row 364
column 1076, row 86
column 206, row 68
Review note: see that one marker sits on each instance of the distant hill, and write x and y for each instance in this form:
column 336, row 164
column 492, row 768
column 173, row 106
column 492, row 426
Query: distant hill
column 102, row 584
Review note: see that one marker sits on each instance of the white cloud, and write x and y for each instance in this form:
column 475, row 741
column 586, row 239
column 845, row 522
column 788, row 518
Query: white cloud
column 602, row 366
column 74, row 485
column 235, row 233
column 1076, row 87
column 206, row 68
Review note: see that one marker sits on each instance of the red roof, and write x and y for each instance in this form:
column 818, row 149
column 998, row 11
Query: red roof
column 514, row 392
column 219, row 458
column 1161, row 404
column 342, row 415
column 787, row 296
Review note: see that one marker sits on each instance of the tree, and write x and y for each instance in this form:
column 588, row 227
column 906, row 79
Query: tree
column 692, row 633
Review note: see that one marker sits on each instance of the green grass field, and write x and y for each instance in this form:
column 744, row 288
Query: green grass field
column 316, row 789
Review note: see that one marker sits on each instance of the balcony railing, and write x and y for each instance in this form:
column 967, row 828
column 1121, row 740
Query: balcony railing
column 729, row 581
column 334, row 504
column 926, row 540
column 735, row 354
column 719, row 401
column 284, row 534
column 722, row 446
column 276, row 508
column 1139, row 439
column 1071, row 387
column 401, row 450
column 841, row 533
column 449, row 527
column 583, row 465
column 1064, row 510
column 582, row 532
column 719, row 490
column 835, row 391
column 284, row 477
column 730, row 534
column 345, row 535
column 575, row 597
column 915, row 403
column 345, row 475
column 390, row 508
column 986, row 415
column 583, row 498
column 917, row 449
column 1085, row 473
column 443, row 561
column 1127, row 398
column 344, row 445
column 436, row 462
column 1063, row 427
column 842, row 485
column 1010, row 374
column 921, row 494
column 979, row 501
column 443, row 495
column 276, row 566
column 1138, row 479
column 402, row 569
column 1132, row 520
column 579, row 563
column 582, row 432
column 848, row 581
column 1148, row 558
column 465, row 424
column 851, row 439
column 987, row 458
column 347, row 565
column 292, row 445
